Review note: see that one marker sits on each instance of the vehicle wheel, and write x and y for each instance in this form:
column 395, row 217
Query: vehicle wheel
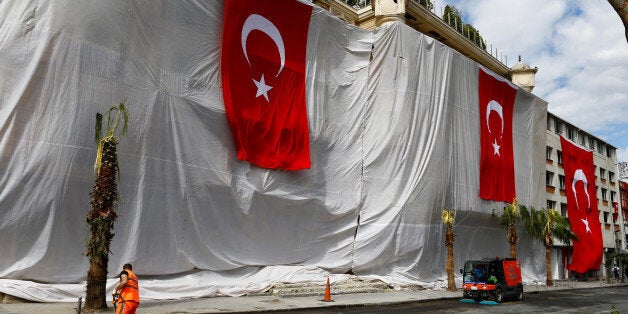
column 499, row 295
column 477, row 299
column 519, row 293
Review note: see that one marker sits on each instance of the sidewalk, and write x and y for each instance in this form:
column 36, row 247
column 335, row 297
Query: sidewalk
column 263, row 303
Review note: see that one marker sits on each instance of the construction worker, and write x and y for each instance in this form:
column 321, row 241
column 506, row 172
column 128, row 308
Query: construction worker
column 126, row 295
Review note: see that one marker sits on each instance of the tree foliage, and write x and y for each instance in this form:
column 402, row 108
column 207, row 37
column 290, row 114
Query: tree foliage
column 358, row 3
column 509, row 218
column 453, row 17
column 427, row 4
column 545, row 225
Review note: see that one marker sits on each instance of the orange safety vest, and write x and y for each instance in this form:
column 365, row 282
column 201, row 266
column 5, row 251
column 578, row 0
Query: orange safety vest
column 130, row 291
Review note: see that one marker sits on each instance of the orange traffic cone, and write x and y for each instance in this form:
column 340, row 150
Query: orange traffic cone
column 327, row 297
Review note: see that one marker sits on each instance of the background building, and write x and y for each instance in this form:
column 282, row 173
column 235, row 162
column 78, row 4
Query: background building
column 607, row 186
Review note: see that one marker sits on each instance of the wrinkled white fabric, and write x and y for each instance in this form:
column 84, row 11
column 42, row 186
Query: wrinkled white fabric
column 422, row 156
column 394, row 140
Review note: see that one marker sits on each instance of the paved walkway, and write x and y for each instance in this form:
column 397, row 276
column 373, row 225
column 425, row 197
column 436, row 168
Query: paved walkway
column 274, row 303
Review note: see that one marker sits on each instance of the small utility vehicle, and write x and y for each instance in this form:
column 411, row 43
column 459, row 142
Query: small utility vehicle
column 492, row 279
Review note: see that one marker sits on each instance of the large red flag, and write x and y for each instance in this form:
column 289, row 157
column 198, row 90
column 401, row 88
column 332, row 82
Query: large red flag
column 497, row 165
column 582, row 207
column 263, row 81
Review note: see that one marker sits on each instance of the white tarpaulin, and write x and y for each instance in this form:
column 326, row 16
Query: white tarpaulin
column 393, row 122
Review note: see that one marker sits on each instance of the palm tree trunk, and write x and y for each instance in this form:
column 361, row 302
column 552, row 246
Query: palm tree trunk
column 101, row 219
column 449, row 267
column 96, row 287
column 548, row 266
column 513, row 239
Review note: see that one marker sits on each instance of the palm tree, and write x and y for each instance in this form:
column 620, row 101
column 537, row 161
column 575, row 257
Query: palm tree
column 545, row 225
column 448, row 218
column 103, row 199
column 509, row 218
column 621, row 7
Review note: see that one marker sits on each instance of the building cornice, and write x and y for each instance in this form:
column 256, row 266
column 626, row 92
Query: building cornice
column 426, row 22
column 430, row 24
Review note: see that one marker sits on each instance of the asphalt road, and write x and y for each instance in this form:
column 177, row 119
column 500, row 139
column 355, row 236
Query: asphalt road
column 600, row 300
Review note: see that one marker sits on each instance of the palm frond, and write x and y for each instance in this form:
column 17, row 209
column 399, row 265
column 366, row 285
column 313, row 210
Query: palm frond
column 98, row 161
column 98, row 129
column 110, row 127
column 562, row 230
column 448, row 217
column 509, row 216
column 125, row 117
column 546, row 224
column 112, row 124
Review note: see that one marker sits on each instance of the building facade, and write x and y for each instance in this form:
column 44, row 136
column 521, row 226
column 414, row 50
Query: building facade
column 612, row 221
column 614, row 224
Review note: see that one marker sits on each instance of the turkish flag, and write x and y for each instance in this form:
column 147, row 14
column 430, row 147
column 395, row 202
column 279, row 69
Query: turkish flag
column 497, row 164
column 263, row 81
column 582, row 207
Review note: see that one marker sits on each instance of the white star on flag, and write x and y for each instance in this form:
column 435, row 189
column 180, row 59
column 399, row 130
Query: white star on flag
column 262, row 88
column 586, row 223
column 496, row 148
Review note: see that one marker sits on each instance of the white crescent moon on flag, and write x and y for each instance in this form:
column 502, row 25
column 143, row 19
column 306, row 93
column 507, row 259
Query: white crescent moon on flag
column 258, row 22
column 579, row 176
column 494, row 106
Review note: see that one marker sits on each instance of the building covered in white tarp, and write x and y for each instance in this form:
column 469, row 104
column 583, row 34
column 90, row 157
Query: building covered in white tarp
column 394, row 137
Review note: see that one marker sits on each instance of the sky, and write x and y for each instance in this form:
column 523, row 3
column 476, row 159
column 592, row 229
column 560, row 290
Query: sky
column 580, row 50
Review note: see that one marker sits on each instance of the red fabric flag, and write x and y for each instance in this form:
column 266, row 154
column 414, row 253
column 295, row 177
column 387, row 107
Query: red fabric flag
column 263, row 81
column 497, row 165
column 582, row 207
column 615, row 211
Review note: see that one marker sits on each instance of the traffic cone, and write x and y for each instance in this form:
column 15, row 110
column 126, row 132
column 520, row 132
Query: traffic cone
column 327, row 297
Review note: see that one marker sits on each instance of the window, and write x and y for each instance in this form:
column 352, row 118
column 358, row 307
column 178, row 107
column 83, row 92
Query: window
column 611, row 176
column 551, row 204
column 583, row 139
column 558, row 127
column 612, row 196
column 548, row 153
column 609, row 152
column 549, row 177
column 570, row 133
column 591, row 143
column 561, row 181
column 600, row 147
column 604, row 194
column 559, row 156
column 605, row 217
column 602, row 173
column 549, row 124
column 563, row 209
